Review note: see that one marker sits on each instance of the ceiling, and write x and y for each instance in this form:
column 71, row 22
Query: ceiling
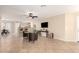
column 41, row 11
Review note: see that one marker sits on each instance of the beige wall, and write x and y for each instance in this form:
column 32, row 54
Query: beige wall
column 57, row 26
column 64, row 26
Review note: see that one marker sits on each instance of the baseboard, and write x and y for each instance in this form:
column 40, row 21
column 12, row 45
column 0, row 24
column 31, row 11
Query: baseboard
column 63, row 39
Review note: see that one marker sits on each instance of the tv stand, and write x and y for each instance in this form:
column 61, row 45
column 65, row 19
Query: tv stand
column 44, row 33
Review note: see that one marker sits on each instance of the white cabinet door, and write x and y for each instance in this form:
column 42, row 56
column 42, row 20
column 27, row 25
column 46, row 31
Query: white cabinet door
column 77, row 28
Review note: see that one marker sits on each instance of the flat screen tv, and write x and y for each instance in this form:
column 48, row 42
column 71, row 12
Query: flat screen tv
column 44, row 25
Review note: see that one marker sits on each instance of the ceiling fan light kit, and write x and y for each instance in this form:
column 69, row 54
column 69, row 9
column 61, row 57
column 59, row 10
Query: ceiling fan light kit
column 32, row 16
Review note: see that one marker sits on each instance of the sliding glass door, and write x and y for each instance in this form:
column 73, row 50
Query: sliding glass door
column 12, row 27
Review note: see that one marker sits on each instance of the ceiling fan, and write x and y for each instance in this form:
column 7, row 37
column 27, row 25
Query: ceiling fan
column 30, row 14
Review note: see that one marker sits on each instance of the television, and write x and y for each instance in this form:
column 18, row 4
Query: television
column 44, row 25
